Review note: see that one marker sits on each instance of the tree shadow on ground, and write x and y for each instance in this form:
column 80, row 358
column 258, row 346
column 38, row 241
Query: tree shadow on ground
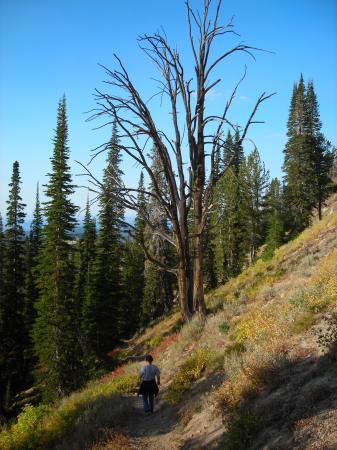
column 294, row 405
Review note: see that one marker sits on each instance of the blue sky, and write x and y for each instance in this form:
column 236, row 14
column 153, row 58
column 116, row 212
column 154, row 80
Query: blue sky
column 51, row 47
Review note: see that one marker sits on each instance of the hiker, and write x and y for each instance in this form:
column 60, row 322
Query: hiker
column 149, row 387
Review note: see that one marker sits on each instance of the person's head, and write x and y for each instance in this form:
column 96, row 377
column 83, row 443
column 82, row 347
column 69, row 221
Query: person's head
column 149, row 359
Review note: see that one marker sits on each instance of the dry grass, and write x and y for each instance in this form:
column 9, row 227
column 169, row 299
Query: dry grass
column 112, row 441
column 266, row 309
column 71, row 422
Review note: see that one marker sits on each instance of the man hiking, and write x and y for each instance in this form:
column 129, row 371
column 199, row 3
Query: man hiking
column 150, row 377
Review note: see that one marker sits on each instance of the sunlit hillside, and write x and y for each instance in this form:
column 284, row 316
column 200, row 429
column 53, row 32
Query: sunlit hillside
column 259, row 372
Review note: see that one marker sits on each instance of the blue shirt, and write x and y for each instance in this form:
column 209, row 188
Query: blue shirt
column 149, row 372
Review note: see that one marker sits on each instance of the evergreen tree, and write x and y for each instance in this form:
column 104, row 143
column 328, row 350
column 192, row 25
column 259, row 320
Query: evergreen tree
column 307, row 160
column 274, row 218
column 85, row 280
column 55, row 329
column 299, row 177
column 209, row 256
column 12, row 300
column 86, row 256
column 318, row 148
column 256, row 179
column 133, row 271
column 2, row 315
column 33, row 246
column 2, row 272
column 333, row 170
column 229, row 222
column 103, row 306
column 158, row 284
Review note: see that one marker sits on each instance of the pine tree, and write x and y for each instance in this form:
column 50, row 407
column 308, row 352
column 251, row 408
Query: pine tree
column 256, row 179
column 318, row 148
column 55, row 329
column 133, row 271
column 2, row 315
column 234, row 155
column 158, row 287
column 333, row 170
column 216, row 220
column 230, row 236
column 299, row 179
column 2, row 273
column 33, row 246
column 86, row 256
column 84, row 282
column 209, row 257
column 12, row 300
column 297, row 166
column 104, row 303
column 273, row 218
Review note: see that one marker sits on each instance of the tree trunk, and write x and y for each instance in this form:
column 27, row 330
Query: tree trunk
column 185, row 291
column 198, row 284
column 320, row 206
column 198, row 279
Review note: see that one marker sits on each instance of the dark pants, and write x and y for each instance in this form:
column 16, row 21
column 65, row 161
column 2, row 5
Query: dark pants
column 148, row 402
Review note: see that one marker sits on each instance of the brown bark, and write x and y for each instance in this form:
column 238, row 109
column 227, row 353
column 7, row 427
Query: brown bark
column 184, row 289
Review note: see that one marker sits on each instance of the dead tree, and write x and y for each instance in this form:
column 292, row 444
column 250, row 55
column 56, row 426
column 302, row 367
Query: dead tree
column 190, row 185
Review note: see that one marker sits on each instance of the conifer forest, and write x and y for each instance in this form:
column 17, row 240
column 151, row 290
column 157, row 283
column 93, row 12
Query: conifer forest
column 82, row 280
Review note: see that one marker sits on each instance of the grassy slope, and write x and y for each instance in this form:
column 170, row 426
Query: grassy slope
column 254, row 363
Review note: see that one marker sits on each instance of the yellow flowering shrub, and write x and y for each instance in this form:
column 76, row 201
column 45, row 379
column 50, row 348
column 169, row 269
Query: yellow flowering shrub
column 323, row 287
column 190, row 371
column 257, row 326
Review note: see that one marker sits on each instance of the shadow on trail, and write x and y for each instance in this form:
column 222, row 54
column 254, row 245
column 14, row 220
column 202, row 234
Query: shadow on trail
column 165, row 428
column 286, row 408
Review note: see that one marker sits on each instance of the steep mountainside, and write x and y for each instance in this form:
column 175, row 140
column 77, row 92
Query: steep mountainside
column 259, row 373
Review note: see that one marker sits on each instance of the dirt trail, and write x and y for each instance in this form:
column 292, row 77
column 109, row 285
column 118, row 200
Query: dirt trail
column 157, row 431
column 191, row 425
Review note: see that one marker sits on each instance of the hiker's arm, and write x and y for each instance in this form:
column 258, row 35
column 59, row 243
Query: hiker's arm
column 140, row 374
column 158, row 379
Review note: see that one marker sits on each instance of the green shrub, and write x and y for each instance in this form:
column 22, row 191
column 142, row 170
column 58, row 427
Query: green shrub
column 236, row 348
column 177, row 326
column 298, row 299
column 24, row 434
column 241, row 430
column 155, row 341
column 38, row 426
column 302, row 322
column 190, row 371
column 224, row 327
column 123, row 384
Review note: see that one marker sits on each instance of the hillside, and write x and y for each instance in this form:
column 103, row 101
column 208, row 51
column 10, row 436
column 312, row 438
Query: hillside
column 256, row 374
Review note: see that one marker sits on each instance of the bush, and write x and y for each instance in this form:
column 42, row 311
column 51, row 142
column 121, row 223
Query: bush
column 257, row 326
column 241, row 430
column 38, row 426
column 155, row 341
column 236, row 348
column 177, row 326
column 20, row 435
column 190, row 371
column 302, row 323
column 224, row 327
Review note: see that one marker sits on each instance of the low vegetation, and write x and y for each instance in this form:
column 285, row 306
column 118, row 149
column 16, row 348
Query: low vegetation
column 191, row 370
column 250, row 338
column 38, row 427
